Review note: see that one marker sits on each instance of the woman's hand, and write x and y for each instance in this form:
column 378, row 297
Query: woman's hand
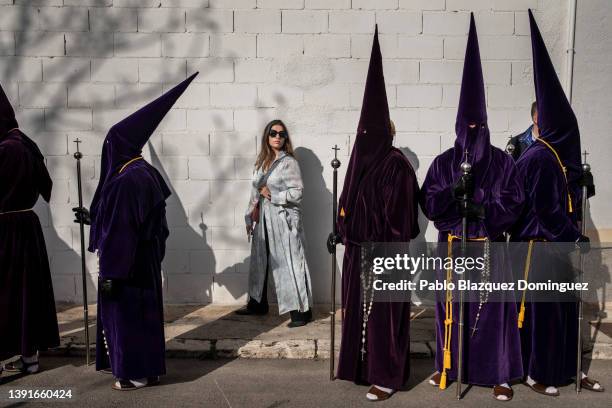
column 264, row 191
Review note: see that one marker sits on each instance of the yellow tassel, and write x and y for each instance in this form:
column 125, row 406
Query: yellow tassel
column 342, row 213
column 447, row 359
column 443, row 381
column 521, row 317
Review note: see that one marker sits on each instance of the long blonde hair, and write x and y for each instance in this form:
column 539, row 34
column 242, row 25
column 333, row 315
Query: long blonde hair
column 267, row 155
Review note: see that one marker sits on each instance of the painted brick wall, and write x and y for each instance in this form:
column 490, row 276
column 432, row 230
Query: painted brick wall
column 74, row 67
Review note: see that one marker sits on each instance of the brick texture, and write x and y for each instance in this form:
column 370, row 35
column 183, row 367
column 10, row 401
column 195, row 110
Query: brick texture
column 74, row 68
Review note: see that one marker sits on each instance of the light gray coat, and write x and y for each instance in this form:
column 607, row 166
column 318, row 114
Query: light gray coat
column 282, row 218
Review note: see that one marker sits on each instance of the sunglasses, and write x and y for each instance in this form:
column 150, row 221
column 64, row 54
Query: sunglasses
column 282, row 134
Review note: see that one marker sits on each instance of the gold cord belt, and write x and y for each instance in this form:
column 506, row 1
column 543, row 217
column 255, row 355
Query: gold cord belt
column 521, row 315
column 448, row 318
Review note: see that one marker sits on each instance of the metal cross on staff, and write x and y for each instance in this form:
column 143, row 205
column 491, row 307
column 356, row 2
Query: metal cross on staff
column 78, row 156
column 335, row 163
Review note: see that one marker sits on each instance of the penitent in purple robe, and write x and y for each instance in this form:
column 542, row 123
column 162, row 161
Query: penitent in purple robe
column 27, row 309
column 129, row 231
column 551, row 213
column 28, row 322
column 492, row 354
column 378, row 204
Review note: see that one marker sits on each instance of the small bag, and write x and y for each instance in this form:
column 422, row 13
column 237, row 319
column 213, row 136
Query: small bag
column 255, row 213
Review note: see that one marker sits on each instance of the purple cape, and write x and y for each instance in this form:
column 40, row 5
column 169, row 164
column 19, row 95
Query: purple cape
column 378, row 204
column 491, row 356
column 129, row 231
column 27, row 309
column 547, row 216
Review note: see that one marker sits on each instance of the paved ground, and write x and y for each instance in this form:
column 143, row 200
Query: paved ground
column 276, row 383
column 214, row 331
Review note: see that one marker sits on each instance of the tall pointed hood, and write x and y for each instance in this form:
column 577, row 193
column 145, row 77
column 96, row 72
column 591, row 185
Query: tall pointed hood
column 472, row 111
column 7, row 114
column 126, row 139
column 374, row 139
column 556, row 120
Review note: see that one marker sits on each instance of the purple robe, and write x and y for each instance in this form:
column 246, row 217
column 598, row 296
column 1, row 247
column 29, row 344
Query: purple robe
column 28, row 322
column 546, row 217
column 492, row 355
column 385, row 210
column 549, row 333
column 134, row 221
column 129, row 231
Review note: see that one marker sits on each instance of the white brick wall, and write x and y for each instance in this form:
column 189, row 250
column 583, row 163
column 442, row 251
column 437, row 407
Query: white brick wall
column 73, row 68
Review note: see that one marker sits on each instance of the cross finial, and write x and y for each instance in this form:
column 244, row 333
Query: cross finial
column 335, row 149
column 585, row 154
column 77, row 155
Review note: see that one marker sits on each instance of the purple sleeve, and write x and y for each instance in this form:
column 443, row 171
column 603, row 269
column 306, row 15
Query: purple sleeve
column 437, row 201
column 121, row 221
column 504, row 204
column 543, row 180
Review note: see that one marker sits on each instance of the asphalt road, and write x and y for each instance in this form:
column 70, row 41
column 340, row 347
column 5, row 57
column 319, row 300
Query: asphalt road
column 273, row 384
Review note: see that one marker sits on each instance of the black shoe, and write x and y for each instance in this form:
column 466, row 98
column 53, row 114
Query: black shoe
column 20, row 366
column 299, row 319
column 245, row 311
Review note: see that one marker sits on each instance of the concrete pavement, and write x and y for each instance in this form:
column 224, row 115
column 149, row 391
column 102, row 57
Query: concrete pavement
column 214, row 331
column 275, row 383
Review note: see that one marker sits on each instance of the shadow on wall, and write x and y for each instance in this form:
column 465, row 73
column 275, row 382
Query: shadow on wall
column 317, row 221
column 595, row 305
column 81, row 96
column 189, row 263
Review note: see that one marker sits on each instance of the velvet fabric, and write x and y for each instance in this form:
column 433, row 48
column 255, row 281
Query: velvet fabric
column 472, row 144
column 133, row 209
column 387, row 212
column 549, row 333
column 377, row 204
column 128, row 231
column 373, row 140
column 7, row 114
column 556, row 119
column 492, row 355
column 124, row 142
column 545, row 215
column 28, row 322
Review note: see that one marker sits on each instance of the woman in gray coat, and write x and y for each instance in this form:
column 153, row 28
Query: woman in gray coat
column 274, row 221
